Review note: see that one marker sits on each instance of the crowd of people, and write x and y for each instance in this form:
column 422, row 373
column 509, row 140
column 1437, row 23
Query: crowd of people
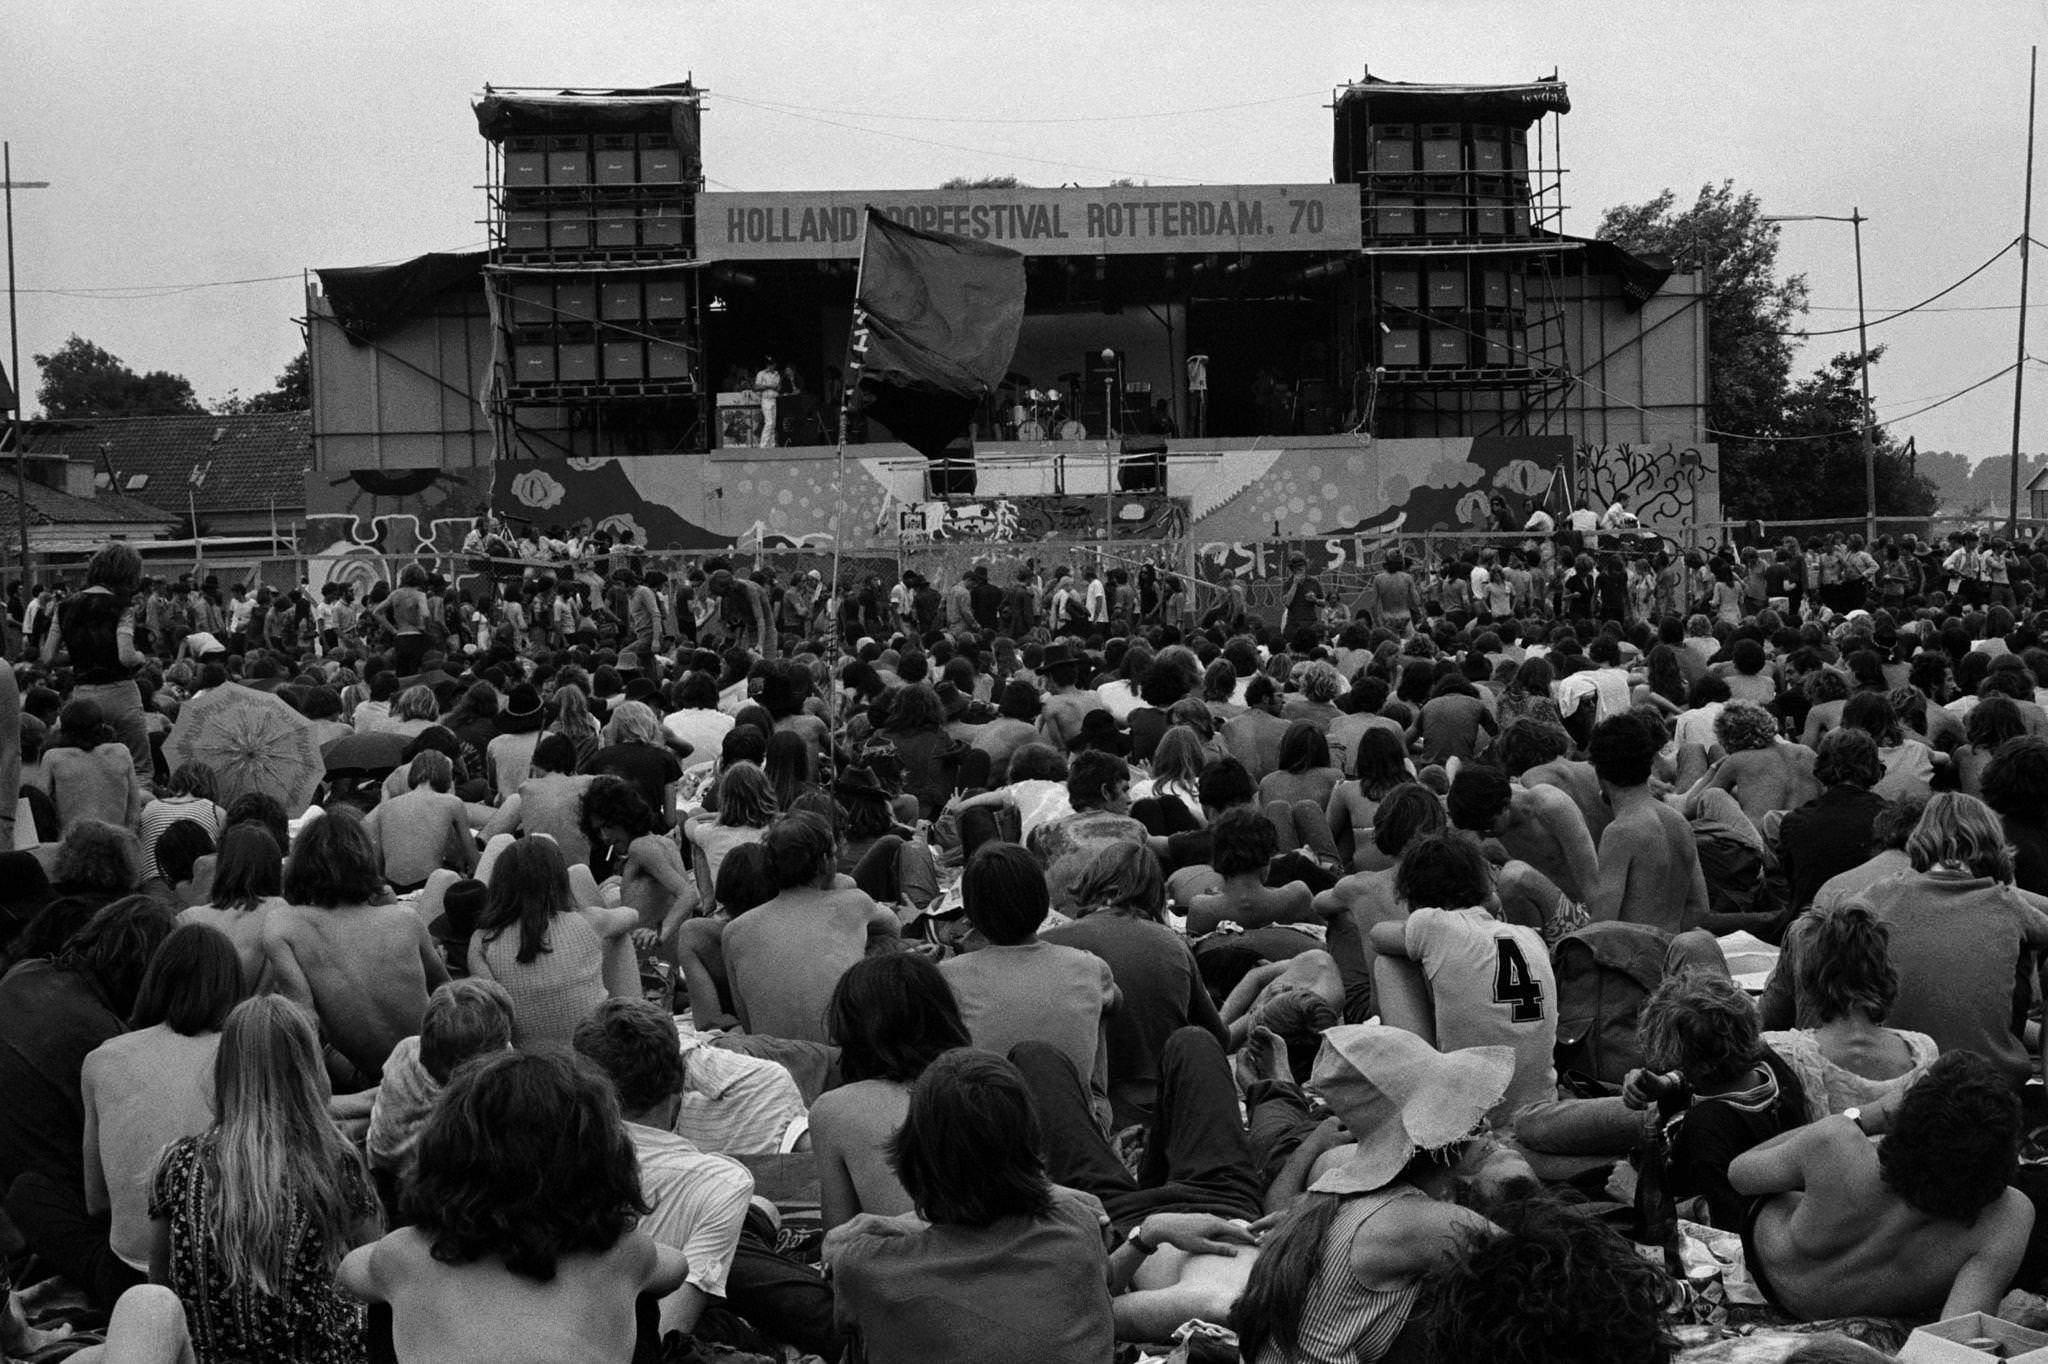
column 1372, row 983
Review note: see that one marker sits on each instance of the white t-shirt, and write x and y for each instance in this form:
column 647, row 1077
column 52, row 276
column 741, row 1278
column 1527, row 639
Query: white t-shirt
column 699, row 1204
column 1098, row 601
column 1490, row 984
column 1608, row 686
column 1696, row 726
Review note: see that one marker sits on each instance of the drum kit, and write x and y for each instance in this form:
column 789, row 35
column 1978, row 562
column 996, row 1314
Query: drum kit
column 1043, row 416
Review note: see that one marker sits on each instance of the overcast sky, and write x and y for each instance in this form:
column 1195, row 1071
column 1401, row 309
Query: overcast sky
column 215, row 140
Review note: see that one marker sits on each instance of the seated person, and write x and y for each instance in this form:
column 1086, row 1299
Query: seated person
column 362, row 967
column 994, row 1241
column 1649, row 858
column 698, row 1201
column 743, row 882
column 892, row 1016
column 1763, row 772
column 1553, row 1287
column 1297, row 999
column 1922, row 1224
column 1409, row 812
column 1338, row 1277
column 1017, row 988
column 736, row 1104
column 1244, row 842
column 1490, row 983
column 522, row 1243
column 425, row 829
column 88, row 773
column 1541, row 829
column 464, row 1018
column 1098, row 788
column 1847, row 1058
column 652, row 880
column 785, row 957
column 1718, row 1089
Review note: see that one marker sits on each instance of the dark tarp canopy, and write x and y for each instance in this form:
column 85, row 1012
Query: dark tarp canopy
column 671, row 109
column 370, row 300
column 1641, row 276
column 1514, row 103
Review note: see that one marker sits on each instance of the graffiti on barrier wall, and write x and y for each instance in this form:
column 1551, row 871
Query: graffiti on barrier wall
column 1666, row 485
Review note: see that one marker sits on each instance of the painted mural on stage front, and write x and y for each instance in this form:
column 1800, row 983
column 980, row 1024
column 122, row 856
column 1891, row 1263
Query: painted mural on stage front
column 1222, row 496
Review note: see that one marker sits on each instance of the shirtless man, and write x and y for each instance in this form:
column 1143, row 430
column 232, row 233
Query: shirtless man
column 1649, row 862
column 1761, row 771
column 1538, row 826
column 1243, row 842
column 1313, row 974
column 1922, row 1225
column 363, row 969
column 87, row 772
column 1409, row 812
column 1536, row 754
column 1066, row 703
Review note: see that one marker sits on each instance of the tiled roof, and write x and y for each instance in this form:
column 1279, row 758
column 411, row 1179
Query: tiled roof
column 257, row 457
column 49, row 507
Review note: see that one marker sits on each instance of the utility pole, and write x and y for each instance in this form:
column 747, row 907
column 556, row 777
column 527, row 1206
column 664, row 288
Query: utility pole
column 2019, row 369
column 9, row 184
column 1868, row 424
column 1863, row 368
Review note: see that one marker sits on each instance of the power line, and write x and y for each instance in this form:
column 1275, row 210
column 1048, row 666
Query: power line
column 121, row 293
column 960, row 147
column 131, row 293
column 1081, row 118
column 1903, row 312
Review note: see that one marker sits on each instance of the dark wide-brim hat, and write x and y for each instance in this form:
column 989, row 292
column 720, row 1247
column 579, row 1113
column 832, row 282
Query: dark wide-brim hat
column 462, row 904
column 521, row 713
column 1058, row 655
column 858, row 783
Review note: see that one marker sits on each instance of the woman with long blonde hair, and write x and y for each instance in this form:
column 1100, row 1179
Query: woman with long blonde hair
column 252, row 1217
column 574, row 722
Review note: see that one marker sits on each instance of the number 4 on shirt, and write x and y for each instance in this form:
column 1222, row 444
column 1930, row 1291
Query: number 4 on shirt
column 1514, row 984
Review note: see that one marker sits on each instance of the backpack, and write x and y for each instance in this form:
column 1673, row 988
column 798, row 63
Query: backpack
column 1737, row 882
column 1605, row 971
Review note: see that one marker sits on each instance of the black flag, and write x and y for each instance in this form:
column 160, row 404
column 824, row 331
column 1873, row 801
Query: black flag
column 934, row 328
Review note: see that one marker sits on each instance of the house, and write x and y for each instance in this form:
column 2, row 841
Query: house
column 243, row 476
column 63, row 524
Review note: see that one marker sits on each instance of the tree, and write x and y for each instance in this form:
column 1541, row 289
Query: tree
column 293, row 392
column 82, row 380
column 985, row 182
column 1808, row 478
column 1750, row 390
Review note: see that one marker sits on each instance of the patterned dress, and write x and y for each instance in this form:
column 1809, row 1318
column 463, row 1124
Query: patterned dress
column 307, row 1321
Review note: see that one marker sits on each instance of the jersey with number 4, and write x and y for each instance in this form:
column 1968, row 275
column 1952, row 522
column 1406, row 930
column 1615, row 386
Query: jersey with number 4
column 1491, row 985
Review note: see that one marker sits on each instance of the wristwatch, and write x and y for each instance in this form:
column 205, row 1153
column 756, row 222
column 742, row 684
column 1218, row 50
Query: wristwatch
column 1855, row 1115
column 1136, row 1238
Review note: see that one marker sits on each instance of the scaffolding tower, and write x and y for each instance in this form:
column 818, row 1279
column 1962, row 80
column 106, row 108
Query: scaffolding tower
column 1461, row 324
column 593, row 278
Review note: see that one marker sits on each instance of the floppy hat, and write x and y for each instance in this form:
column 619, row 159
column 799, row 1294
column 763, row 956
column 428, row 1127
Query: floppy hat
column 1399, row 1095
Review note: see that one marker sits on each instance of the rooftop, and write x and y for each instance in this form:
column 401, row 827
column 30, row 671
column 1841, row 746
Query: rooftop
column 249, row 461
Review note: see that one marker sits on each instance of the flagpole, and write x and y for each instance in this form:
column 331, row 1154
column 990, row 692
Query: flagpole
column 847, row 381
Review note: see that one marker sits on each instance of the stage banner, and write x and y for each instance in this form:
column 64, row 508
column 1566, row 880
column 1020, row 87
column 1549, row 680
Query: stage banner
column 1119, row 221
